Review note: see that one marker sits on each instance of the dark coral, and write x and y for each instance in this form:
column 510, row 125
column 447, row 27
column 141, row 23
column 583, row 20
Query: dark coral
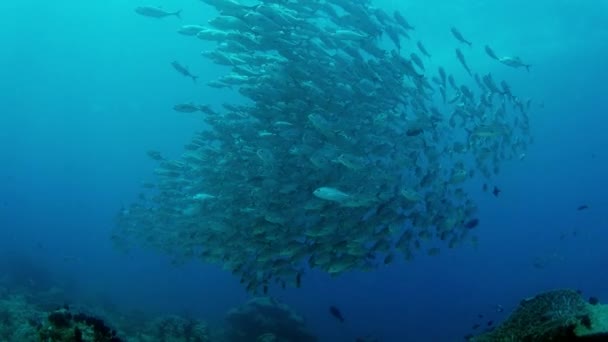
column 550, row 316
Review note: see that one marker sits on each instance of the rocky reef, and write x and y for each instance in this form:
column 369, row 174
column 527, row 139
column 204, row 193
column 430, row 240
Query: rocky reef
column 560, row 315
column 264, row 319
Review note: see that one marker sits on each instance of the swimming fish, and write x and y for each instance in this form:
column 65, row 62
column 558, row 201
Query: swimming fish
column 491, row 52
column 456, row 33
column 183, row 70
column 463, row 61
column 514, row 62
column 334, row 311
column 156, row 12
column 331, row 194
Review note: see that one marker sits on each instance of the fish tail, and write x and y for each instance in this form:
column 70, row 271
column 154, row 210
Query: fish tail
column 528, row 67
column 194, row 78
column 178, row 14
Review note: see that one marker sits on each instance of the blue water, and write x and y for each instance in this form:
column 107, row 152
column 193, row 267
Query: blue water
column 86, row 88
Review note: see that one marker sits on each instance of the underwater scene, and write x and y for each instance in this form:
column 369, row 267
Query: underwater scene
column 303, row 170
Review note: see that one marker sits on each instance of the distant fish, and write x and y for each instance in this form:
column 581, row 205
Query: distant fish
column 456, row 33
column 334, row 311
column 582, row 207
column 423, row 49
column 463, row 61
column 186, row 108
column 496, row 191
column 183, row 70
column 514, row 62
column 472, row 223
column 490, row 52
column 156, row 12
column 331, row 194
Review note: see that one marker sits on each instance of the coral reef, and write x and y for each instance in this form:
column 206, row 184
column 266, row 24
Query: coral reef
column 17, row 320
column 174, row 329
column 560, row 315
column 64, row 326
column 264, row 319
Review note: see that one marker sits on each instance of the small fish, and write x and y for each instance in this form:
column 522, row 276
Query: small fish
column 463, row 62
column 423, row 49
column 456, row 33
column 472, row 223
column 156, row 12
column 485, row 187
column 186, row 108
column 490, row 52
column 514, row 62
column 400, row 19
column 299, row 279
column 334, row 311
column 490, row 322
column 183, row 70
column 412, row 132
column 475, row 326
column 496, row 191
column 499, row 308
column 331, row 194
column 582, row 207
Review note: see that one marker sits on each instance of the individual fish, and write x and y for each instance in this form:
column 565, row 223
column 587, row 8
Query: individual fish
column 334, row 311
column 331, row 194
column 456, row 33
column 349, row 35
column 155, row 155
column 472, row 223
column 156, row 12
column 414, row 57
column 514, row 62
column 186, row 108
column 463, row 62
column 582, row 207
column 423, row 49
column 490, row 52
column 496, row 191
column 400, row 19
column 190, row 30
column 183, row 70
column 412, row 132
column 442, row 76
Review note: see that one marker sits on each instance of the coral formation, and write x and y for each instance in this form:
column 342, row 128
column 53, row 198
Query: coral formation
column 64, row 326
column 175, row 329
column 265, row 319
column 560, row 315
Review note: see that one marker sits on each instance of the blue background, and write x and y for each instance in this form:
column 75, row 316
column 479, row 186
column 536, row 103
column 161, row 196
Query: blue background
column 86, row 87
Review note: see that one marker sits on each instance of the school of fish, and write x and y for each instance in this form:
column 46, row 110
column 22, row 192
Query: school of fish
column 351, row 149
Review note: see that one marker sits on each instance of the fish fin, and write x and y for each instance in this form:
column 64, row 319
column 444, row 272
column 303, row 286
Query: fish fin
column 194, row 78
column 528, row 67
column 178, row 14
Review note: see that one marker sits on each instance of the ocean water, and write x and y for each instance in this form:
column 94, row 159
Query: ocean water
column 86, row 88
